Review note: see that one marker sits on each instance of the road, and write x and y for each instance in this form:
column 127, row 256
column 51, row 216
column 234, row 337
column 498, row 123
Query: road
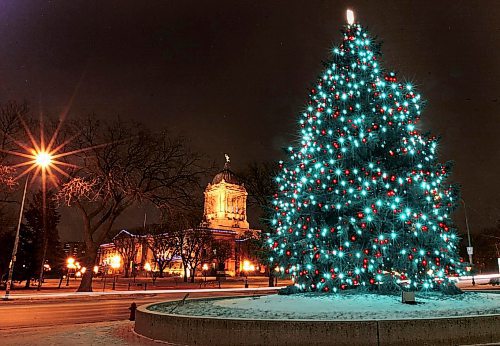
column 33, row 314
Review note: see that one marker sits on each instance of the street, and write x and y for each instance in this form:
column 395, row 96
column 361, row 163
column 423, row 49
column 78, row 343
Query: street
column 62, row 316
column 33, row 314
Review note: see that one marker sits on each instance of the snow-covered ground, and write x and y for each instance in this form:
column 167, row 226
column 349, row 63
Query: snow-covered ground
column 339, row 307
column 117, row 333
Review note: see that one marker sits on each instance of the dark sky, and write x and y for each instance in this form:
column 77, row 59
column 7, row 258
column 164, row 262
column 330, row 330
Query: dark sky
column 233, row 75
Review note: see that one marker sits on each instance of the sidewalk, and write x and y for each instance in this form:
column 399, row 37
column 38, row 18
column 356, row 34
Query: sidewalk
column 100, row 333
column 127, row 287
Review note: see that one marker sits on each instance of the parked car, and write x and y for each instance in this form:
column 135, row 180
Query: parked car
column 495, row 281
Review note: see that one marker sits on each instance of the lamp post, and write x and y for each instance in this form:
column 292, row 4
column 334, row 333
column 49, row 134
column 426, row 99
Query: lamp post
column 16, row 244
column 205, row 268
column 470, row 249
column 40, row 160
column 115, row 264
column 247, row 266
column 70, row 264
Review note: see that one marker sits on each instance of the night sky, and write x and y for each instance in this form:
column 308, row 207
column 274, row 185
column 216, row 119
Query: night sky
column 233, row 75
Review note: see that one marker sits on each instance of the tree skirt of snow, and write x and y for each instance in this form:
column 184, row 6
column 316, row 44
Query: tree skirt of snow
column 346, row 306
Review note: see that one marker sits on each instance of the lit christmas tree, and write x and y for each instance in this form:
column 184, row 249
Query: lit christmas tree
column 362, row 200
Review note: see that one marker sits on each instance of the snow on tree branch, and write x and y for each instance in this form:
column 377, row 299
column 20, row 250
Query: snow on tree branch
column 77, row 188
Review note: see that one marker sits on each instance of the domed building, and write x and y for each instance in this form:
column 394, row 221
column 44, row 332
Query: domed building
column 226, row 202
column 225, row 214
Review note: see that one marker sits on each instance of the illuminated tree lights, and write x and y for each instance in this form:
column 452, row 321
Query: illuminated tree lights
column 362, row 199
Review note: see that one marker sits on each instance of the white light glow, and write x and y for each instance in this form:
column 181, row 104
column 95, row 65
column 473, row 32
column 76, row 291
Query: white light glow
column 350, row 17
column 43, row 159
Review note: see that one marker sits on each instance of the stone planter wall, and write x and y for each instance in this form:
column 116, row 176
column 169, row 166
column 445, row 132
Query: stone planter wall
column 193, row 330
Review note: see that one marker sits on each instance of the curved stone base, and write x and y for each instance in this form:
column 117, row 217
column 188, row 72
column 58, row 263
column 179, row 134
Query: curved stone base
column 194, row 330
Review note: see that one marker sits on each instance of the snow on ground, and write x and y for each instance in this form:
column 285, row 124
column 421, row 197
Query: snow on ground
column 86, row 334
column 346, row 306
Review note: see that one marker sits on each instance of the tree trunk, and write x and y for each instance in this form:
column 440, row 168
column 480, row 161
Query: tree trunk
column 42, row 264
column 185, row 274
column 271, row 278
column 192, row 275
column 86, row 283
column 161, row 267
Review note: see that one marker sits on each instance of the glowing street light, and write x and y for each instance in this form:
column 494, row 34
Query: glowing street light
column 115, row 264
column 41, row 160
column 70, row 263
column 116, row 261
column 247, row 266
column 204, row 268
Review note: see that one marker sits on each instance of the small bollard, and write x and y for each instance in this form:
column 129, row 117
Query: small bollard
column 132, row 309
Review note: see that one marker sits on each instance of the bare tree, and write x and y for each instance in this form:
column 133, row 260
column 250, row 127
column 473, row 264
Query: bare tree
column 7, row 178
column 10, row 129
column 134, row 165
column 127, row 245
column 222, row 251
column 261, row 186
column 11, row 114
column 193, row 245
column 163, row 244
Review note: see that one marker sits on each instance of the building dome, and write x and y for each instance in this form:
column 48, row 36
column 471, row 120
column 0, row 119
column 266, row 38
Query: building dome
column 227, row 175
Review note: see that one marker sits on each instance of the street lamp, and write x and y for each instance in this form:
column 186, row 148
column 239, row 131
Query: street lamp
column 43, row 158
column 204, row 269
column 70, row 264
column 247, row 266
column 115, row 264
column 470, row 249
column 40, row 160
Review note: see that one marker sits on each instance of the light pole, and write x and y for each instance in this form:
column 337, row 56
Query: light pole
column 115, row 264
column 205, row 268
column 470, row 249
column 16, row 244
column 247, row 266
column 70, row 264
column 40, row 160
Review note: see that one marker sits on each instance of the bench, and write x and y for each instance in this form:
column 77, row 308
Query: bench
column 138, row 284
column 213, row 283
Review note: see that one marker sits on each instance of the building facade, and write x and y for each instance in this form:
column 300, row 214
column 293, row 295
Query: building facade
column 224, row 217
column 74, row 249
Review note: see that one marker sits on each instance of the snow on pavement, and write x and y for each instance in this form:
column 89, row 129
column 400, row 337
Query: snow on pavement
column 86, row 334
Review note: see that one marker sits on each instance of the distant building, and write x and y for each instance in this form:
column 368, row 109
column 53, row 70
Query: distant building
column 75, row 249
column 226, row 202
column 224, row 215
